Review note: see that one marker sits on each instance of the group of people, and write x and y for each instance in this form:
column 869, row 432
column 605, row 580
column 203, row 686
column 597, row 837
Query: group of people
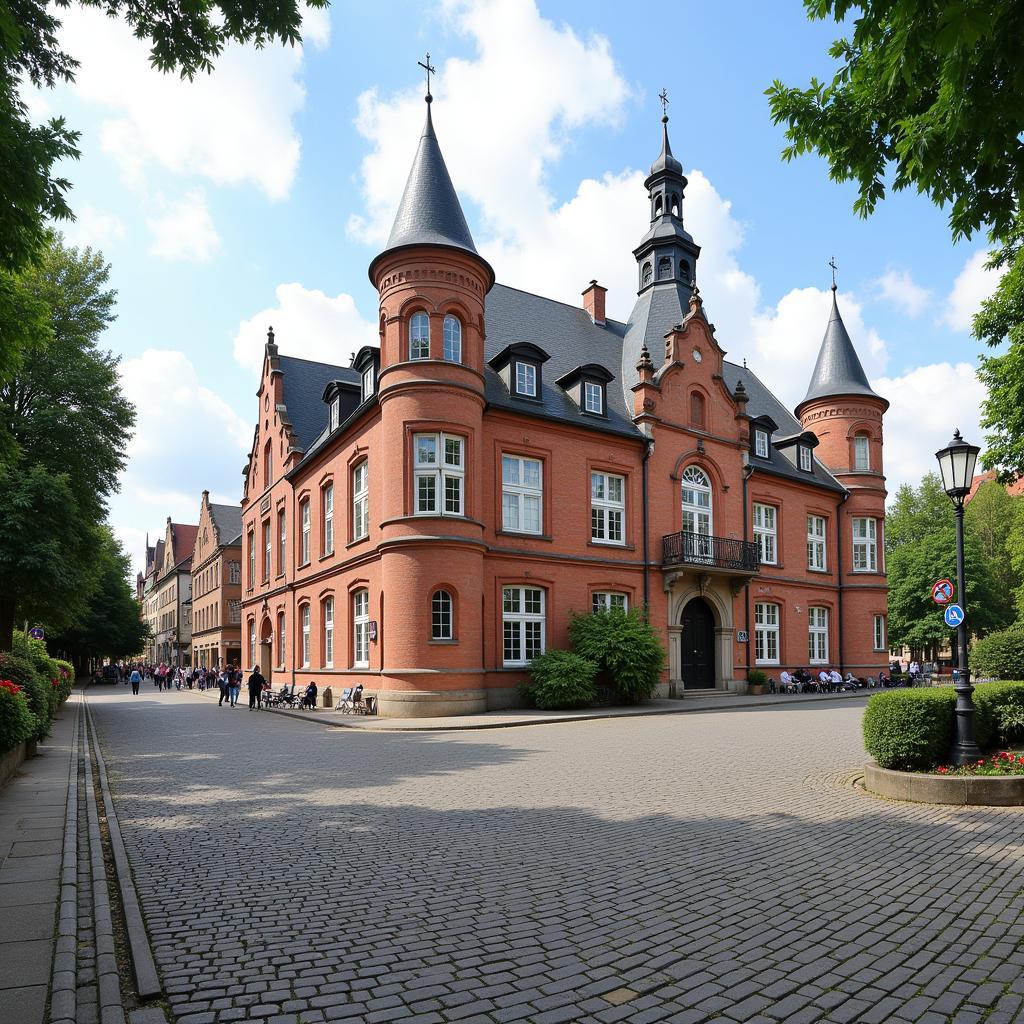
column 826, row 681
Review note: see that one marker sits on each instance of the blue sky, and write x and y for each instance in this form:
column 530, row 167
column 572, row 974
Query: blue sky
column 260, row 195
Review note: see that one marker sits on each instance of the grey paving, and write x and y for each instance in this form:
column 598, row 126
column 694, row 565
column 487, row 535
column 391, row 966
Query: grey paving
column 678, row 868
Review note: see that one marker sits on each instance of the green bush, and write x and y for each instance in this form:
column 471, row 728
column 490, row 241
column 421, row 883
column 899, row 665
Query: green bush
column 1000, row 654
column 756, row 677
column 996, row 706
column 561, row 679
column 17, row 722
column 67, row 678
column 625, row 649
column 21, row 672
column 910, row 729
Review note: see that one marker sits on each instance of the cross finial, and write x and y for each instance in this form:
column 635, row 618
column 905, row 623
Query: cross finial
column 832, row 264
column 430, row 70
column 663, row 96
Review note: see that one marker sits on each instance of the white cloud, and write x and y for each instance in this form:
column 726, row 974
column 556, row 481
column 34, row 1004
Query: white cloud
column 972, row 286
column 308, row 324
column 232, row 126
column 95, row 228
column 927, row 403
column 184, row 230
column 900, row 289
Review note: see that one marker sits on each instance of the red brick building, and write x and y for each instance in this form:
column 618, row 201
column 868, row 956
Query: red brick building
column 424, row 520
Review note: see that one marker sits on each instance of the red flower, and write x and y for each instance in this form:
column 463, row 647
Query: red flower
column 942, row 769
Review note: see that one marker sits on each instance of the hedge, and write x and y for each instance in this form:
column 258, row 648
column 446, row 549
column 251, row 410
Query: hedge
column 561, row 679
column 22, row 672
column 1000, row 654
column 17, row 723
column 625, row 649
column 913, row 729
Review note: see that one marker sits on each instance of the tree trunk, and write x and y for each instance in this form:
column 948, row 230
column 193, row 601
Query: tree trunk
column 6, row 621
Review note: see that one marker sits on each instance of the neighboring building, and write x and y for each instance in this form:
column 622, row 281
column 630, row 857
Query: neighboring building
column 425, row 520
column 217, row 586
column 154, row 562
column 1014, row 489
column 168, row 595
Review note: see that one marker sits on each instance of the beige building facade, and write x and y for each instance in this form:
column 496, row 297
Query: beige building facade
column 167, row 595
column 217, row 586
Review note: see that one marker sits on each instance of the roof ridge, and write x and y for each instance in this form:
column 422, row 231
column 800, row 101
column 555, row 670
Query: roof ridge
column 316, row 362
column 557, row 302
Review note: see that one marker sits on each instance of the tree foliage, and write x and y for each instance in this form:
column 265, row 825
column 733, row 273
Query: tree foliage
column 184, row 37
column 927, row 92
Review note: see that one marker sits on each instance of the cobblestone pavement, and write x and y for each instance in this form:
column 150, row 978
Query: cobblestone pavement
column 682, row 868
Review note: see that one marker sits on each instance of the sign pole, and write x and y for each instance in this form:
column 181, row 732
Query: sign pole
column 965, row 748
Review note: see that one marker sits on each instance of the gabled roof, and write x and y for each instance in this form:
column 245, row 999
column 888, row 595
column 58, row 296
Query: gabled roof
column 304, row 383
column 184, row 540
column 227, row 519
column 838, row 370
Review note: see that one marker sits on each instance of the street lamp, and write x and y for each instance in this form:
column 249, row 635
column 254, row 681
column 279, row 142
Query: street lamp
column 956, row 463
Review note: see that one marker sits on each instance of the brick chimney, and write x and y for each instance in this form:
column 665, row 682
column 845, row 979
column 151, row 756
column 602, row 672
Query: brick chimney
column 593, row 302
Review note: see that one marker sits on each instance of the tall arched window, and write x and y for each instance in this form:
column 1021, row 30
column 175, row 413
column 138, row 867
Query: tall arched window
column 696, row 408
column 675, row 206
column 280, row 639
column 268, row 465
column 657, row 206
column 329, row 633
column 645, row 276
column 697, row 513
column 441, row 616
column 452, row 339
column 419, row 336
column 664, row 268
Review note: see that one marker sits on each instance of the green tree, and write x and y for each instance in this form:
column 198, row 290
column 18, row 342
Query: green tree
column 68, row 425
column 184, row 37
column 920, row 544
column 993, row 517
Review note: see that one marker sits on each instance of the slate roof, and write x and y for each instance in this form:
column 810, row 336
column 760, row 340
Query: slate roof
column 838, row 370
column 429, row 213
column 228, row 520
column 666, row 161
column 304, row 383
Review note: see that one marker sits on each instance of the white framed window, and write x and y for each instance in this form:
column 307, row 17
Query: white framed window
column 606, row 600
column 805, row 458
column 328, row 502
column 817, row 636
column 280, row 639
column 252, row 559
column 252, row 643
column 453, row 339
column 761, row 444
column 865, row 545
column 361, row 629
column 329, row 633
column 766, row 519
column 335, row 413
column 522, row 494
column 369, row 382
column 361, row 500
column 441, row 615
column 234, row 572
column 607, row 508
column 305, row 532
column 305, row 636
column 878, row 624
column 419, row 336
column 526, row 379
column 861, row 453
column 234, row 611
column 522, row 619
column 697, row 514
column 267, row 548
column 282, row 541
column 816, row 558
column 593, row 397
column 438, row 474
column 766, row 633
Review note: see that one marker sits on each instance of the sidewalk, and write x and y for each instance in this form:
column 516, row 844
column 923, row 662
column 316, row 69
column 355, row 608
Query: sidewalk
column 32, row 815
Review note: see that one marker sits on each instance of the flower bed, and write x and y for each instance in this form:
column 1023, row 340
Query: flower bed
column 1004, row 763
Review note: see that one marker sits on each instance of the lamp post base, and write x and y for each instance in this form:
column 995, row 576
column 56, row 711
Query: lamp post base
column 964, row 750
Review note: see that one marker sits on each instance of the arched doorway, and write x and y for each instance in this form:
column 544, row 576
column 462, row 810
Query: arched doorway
column 266, row 648
column 697, row 646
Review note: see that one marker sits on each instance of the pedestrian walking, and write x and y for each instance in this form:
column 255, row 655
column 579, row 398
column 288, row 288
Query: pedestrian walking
column 234, row 684
column 256, row 682
column 135, row 678
column 223, row 681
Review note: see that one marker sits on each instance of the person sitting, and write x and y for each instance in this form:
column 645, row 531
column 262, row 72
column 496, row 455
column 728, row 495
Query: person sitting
column 884, row 679
column 785, row 682
column 835, row 681
column 851, row 681
column 823, row 680
column 309, row 697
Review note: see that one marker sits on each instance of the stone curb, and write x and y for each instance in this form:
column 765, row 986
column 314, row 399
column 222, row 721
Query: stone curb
column 147, row 980
column 977, row 791
column 108, row 979
column 63, row 992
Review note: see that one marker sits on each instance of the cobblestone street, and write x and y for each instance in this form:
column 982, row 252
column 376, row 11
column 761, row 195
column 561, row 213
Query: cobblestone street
column 679, row 868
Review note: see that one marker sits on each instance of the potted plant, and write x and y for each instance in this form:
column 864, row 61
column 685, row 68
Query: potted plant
column 755, row 682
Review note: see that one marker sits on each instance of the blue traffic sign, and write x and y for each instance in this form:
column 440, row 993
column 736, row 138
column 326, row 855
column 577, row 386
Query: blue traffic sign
column 953, row 615
column 36, row 632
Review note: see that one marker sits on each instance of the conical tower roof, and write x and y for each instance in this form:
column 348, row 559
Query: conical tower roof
column 838, row 370
column 430, row 212
column 666, row 161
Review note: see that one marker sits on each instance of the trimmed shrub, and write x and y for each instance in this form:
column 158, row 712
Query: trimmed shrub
column 17, row 723
column 910, row 729
column 67, row 678
column 997, row 706
column 21, row 672
column 625, row 649
column 1000, row 654
column 561, row 679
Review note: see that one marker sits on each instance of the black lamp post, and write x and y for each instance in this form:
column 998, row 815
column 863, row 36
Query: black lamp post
column 956, row 463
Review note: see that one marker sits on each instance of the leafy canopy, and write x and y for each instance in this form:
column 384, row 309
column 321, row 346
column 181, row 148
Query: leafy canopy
column 929, row 92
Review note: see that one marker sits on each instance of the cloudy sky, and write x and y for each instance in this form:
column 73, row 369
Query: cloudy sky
column 259, row 194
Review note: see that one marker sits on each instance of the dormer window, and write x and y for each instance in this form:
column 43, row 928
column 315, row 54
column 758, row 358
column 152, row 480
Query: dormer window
column 369, row 383
column 587, row 386
column 526, row 379
column 593, row 397
column 761, row 444
column 419, row 336
column 805, row 458
column 335, row 413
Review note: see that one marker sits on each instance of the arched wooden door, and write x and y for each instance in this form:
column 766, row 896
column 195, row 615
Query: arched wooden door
column 697, row 646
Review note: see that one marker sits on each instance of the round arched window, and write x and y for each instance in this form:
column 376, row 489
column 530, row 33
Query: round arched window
column 697, row 512
column 646, row 275
column 419, row 336
column 441, row 615
column 452, row 339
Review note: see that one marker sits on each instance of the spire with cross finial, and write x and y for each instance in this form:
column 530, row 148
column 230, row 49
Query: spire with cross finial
column 832, row 264
column 663, row 96
column 430, row 70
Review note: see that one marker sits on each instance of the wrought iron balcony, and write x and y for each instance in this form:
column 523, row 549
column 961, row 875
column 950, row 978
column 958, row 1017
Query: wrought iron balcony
column 712, row 552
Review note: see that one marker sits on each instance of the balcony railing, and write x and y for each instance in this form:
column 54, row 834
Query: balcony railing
column 716, row 552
